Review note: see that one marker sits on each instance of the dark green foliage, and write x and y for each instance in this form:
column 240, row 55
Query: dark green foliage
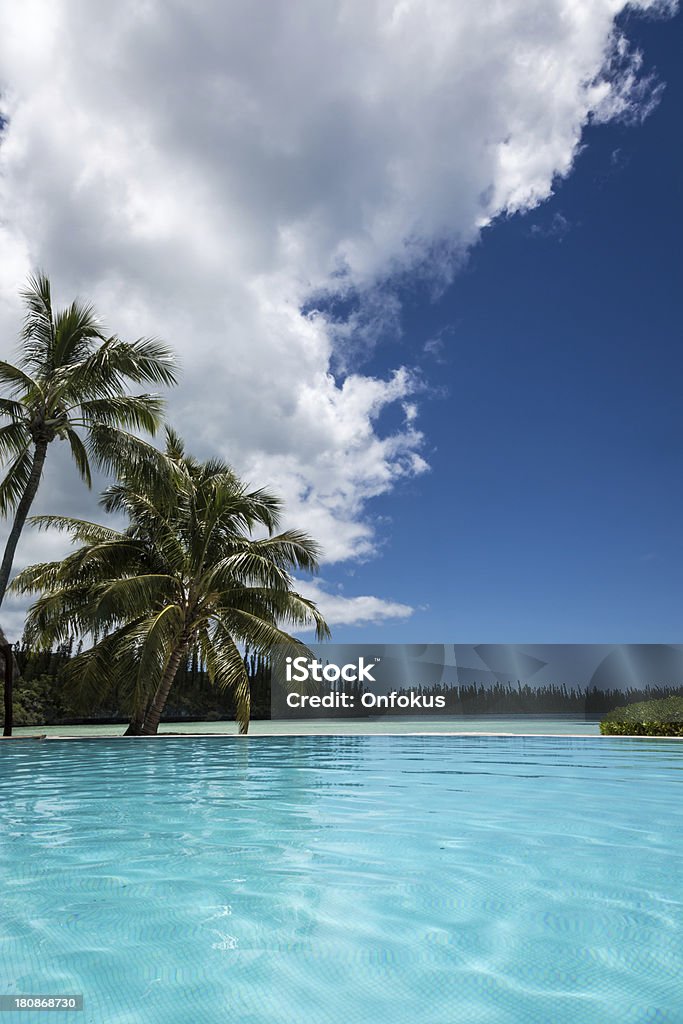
column 42, row 698
column 39, row 702
column 38, row 694
column 649, row 718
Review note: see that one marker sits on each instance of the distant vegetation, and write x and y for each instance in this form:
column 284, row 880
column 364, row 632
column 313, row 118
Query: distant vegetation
column 648, row 718
column 517, row 698
column 43, row 696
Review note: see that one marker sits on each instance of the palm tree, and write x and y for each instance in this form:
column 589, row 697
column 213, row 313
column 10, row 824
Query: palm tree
column 71, row 376
column 70, row 379
column 185, row 574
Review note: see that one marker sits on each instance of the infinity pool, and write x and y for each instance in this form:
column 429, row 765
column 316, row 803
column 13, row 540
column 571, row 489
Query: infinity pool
column 344, row 880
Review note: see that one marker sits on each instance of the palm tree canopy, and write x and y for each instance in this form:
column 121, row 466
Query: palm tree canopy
column 200, row 565
column 71, row 380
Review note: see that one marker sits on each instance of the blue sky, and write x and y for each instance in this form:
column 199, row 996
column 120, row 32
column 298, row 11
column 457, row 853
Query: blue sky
column 553, row 508
column 419, row 261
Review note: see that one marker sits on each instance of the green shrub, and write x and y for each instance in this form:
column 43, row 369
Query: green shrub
column 651, row 718
column 37, row 701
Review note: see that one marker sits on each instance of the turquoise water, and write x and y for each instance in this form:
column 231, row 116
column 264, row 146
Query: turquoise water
column 344, row 880
column 558, row 725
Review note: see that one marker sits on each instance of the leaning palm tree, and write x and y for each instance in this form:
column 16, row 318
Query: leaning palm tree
column 185, row 574
column 70, row 383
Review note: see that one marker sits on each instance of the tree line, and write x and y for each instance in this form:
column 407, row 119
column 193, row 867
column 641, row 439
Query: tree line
column 509, row 698
column 519, row 698
column 44, row 697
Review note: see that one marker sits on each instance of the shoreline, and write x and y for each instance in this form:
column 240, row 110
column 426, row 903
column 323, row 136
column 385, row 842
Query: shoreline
column 44, row 737
column 508, row 726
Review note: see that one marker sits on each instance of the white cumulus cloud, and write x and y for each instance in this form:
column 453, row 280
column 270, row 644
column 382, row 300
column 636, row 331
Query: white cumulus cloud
column 206, row 171
column 362, row 609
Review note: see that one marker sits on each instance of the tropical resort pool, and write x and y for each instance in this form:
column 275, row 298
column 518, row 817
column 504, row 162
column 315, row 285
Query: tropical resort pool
column 344, row 879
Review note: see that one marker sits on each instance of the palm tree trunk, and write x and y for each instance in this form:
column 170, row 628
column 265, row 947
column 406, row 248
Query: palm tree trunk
column 8, row 660
column 137, row 721
column 23, row 508
column 243, row 712
column 158, row 704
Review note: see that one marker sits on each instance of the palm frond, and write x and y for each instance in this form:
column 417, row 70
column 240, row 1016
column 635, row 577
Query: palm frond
column 75, row 329
column 156, row 638
column 37, row 577
column 245, row 568
column 14, row 439
column 68, row 524
column 17, row 380
column 148, row 360
column 218, row 471
column 15, row 410
column 266, row 508
column 38, row 331
column 117, row 363
column 96, row 376
column 227, row 671
column 292, row 548
column 104, row 669
column 106, row 554
column 281, row 607
column 60, row 613
column 175, row 446
column 258, row 632
column 122, row 454
column 131, row 412
column 133, row 596
column 154, row 523
column 16, row 480
column 79, row 455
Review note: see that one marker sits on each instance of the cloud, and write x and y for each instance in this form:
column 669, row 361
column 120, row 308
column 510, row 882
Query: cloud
column 220, row 173
column 352, row 611
column 557, row 227
column 622, row 92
